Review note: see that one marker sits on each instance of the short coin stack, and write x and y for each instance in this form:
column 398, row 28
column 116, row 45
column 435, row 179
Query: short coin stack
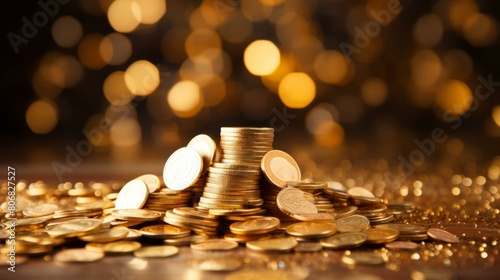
column 233, row 183
column 166, row 199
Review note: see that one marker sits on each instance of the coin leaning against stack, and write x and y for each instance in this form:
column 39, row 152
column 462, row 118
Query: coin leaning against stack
column 233, row 183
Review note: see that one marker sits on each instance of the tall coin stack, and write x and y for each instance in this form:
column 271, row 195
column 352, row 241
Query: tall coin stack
column 233, row 183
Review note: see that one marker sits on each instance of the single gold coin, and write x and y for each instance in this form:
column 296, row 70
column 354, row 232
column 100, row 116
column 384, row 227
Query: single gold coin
column 313, row 217
column 76, row 227
column 136, row 214
column 405, row 245
column 359, row 191
column 133, row 234
column 40, row 210
column 206, row 147
column 243, row 238
column 132, row 196
column 404, row 228
column 215, row 245
column 381, row 235
column 343, row 240
column 292, row 201
column 359, row 221
column 78, row 255
column 442, row 235
column 219, row 264
column 255, row 226
column 106, row 235
column 279, row 168
column 273, row 244
column 151, row 181
column 187, row 240
column 95, row 247
column 182, row 169
column 311, row 229
column 161, row 251
column 121, row 246
column 368, row 258
column 165, row 231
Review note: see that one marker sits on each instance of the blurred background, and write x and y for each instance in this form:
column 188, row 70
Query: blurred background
column 99, row 85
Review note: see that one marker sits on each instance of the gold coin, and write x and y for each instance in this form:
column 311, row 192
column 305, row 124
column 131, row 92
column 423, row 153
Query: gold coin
column 359, row 191
column 215, row 245
column 311, row 229
column 368, row 258
column 255, row 226
column 226, row 171
column 132, row 196
column 308, row 186
column 243, row 238
column 219, row 264
column 136, row 214
column 77, row 227
column 106, row 235
column 406, row 245
column 354, row 220
column 442, row 235
column 306, row 247
column 279, row 168
column 40, row 210
column 187, row 240
column 182, row 169
column 151, row 181
column 267, row 274
column 78, row 255
column 292, row 201
column 121, row 246
column 236, row 129
column 95, row 247
column 343, row 240
column 404, row 228
column 381, row 235
column 98, row 204
column 133, row 234
column 164, row 231
column 39, row 238
column 272, row 245
column 171, row 216
column 313, row 217
column 206, row 147
column 225, row 212
column 194, row 213
column 156, row 251
column 349, row 228
column 235, row 166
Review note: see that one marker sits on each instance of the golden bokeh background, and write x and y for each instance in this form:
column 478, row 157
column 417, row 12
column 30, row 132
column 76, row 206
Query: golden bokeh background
column 138, row 78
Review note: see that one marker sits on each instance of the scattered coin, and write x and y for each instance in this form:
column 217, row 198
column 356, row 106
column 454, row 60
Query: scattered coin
column 165, row 231
column 156, row 251
column 140, row 215
column 355, row 221
column 255, row 226
column 344, row 240
column 77, row 227
column 40, row 210
column 280, row 168
column 132, row 196
column 381, row 235
column 308, row 247
column 311, row 229
column 206, row 147
column 215, row 245
column 291, row 201
column 272, row 245
column 442, row 235
column 106, row 235
column 359, row 191
column 187, row 240
column 151, row 181
column 407, row 245
column 119, row 247
column 182, row 169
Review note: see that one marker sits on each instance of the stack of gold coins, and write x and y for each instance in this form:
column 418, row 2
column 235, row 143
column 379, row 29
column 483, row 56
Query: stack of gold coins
column 233, row 183
column 197, row 221
column 252, row 229
column 166, row 199
column 321, row 201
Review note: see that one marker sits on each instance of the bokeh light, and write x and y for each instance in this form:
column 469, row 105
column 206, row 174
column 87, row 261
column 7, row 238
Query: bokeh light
column 480, row 30
column 42, row 116
column 428, row 30
column 89, row 51
column 374, row 91
column 124, row 15
column 142, row 78
column 115, row 90
column 322, row 113
column 115, row 49
column 495, row 114
column 329, row 134
column 454, row 97
column 151, row 11
column 125, row 132
column 331, row 67
column 297, row 90
column 67, row 31
column 201, row 39
column 261, row 57
column 185, row 99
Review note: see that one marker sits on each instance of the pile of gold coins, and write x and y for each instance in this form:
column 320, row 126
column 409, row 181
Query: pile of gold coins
column 276, row 212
